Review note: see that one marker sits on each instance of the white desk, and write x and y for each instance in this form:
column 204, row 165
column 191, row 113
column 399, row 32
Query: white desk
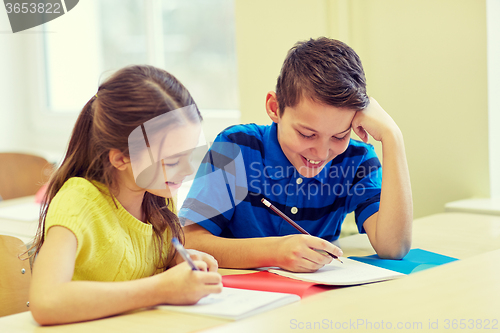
column 25, row 230
column 490, row 206
column 468, row 289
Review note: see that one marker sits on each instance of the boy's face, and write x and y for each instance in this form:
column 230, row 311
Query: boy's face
column 312, row 134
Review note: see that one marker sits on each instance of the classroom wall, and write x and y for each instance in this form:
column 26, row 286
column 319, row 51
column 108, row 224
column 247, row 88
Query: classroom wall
column 493, row 42
column 425, row 62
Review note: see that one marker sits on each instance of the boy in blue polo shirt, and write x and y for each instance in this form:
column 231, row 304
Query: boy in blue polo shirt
column 307, row 166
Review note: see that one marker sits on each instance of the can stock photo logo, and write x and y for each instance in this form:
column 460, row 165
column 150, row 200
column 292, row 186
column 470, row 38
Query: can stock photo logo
column 26, row 14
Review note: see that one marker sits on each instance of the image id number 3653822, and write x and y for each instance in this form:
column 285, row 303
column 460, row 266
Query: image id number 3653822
column 33, row 7
column 471, row 324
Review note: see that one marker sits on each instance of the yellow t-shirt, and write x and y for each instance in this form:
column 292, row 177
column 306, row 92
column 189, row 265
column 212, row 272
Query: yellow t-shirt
column 112, row 244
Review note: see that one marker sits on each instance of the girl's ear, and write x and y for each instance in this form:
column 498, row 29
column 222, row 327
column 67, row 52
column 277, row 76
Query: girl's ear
column 272, row 106
column 118, row 160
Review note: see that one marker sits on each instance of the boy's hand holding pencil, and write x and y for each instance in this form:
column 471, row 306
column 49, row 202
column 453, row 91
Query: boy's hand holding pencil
column 303, row 253
column 299, row 253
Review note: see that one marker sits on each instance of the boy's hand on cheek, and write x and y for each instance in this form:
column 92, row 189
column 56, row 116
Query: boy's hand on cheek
column 373, row 120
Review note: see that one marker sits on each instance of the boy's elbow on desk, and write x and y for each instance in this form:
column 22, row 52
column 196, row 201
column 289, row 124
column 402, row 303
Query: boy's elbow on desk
column 390, row 241
column 394, row 251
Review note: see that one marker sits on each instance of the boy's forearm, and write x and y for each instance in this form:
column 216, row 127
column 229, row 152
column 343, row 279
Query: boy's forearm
column 230, row 252
column 394, row 221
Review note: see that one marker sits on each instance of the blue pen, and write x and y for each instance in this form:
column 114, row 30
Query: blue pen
column 184, row 254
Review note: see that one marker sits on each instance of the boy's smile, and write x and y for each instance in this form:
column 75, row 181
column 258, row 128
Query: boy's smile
column 312, row 134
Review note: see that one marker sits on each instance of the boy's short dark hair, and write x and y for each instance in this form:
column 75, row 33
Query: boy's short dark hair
column 325, row 70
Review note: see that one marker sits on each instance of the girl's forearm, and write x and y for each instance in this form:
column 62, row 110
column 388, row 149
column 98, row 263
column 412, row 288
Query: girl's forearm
column 76, row 301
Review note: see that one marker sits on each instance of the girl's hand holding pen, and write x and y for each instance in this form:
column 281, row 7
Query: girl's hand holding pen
column 211, row 263
column 181, row 285
column 297, row 253
column 193, row 277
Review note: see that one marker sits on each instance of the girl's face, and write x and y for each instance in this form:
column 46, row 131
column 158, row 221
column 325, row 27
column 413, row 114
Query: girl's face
column 174, row 159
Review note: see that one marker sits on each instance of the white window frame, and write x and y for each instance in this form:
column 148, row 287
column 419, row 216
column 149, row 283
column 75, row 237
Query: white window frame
column 493, row 55
column 53, row 129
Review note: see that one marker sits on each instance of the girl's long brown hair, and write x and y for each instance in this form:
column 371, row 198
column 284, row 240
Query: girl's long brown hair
column 126, row 100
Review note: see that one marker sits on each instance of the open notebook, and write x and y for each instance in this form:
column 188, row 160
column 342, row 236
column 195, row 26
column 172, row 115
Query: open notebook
column 350, row 272
column 235, row 303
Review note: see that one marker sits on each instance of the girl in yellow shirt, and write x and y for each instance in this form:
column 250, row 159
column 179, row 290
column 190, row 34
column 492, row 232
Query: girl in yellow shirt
column 103, row 244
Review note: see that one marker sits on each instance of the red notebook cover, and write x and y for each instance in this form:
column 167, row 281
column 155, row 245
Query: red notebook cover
column 265, row 281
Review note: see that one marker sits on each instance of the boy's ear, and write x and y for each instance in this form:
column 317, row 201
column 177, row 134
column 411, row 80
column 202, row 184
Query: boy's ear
column 118, row 160
column 272, row 106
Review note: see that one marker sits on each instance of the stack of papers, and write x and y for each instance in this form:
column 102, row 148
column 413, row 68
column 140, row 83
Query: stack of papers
column 269, row 291
column 354, row 270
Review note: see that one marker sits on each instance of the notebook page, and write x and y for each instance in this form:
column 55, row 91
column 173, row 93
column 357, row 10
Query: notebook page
column 235, row 303
column 350, row 272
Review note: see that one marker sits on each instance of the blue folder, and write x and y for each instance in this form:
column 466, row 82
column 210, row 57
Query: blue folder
column 416, row 260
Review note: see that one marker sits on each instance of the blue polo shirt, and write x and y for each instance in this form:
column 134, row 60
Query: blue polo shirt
column 246, row 164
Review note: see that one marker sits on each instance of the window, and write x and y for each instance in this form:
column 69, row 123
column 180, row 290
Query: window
column 192, row 39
